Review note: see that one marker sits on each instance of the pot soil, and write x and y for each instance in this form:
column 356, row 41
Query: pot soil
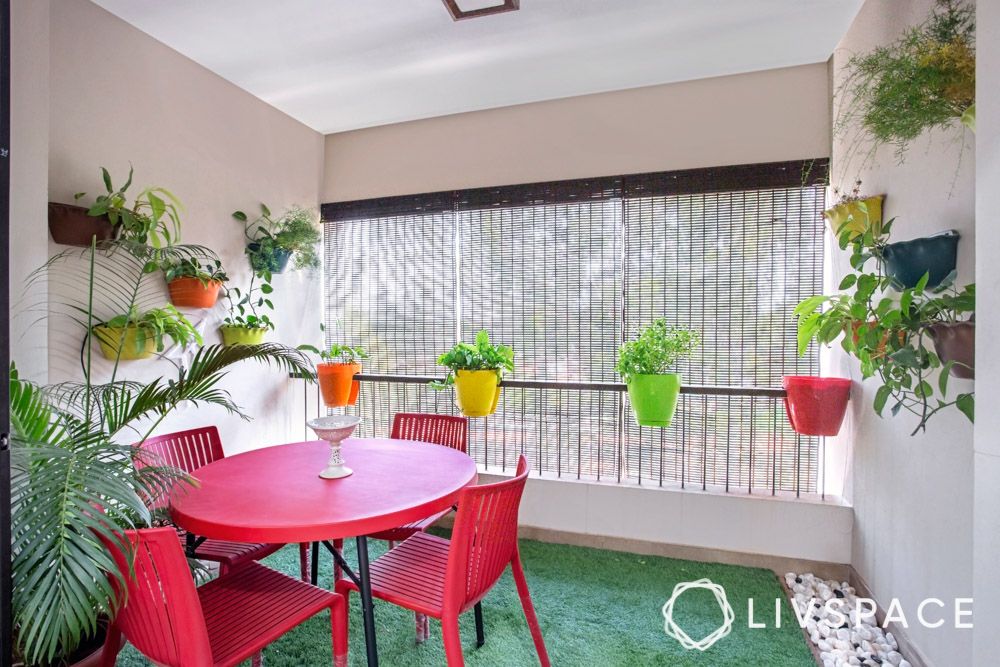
column 109, row 338
column 654, row 398
column 477, row 393
column 241, row 335
column 906, row 262
column 277, row 262
column 816, row 405
column 191, row 292
column 337, row 383
column 956, row 342
column 70, row 225
column 841, row 213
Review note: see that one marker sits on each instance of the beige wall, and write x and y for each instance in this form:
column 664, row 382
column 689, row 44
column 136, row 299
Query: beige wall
column 986, row 537
column 29, row 112
column 912, row 496
column 118, row 96
column 765, row 116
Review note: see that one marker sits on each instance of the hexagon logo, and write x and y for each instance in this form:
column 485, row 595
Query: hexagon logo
column 675, row 631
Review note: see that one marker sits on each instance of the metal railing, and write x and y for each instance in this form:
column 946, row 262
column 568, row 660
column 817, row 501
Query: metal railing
column 731, row 439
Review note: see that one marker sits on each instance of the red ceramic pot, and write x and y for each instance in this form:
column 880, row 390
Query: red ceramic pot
column 816, row 405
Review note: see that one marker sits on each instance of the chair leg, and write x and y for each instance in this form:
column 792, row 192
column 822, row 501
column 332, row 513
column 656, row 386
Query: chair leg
column 314, row 574
column 112, row 645
column 421, row 626
column 257, row 660
column 480, row 630
column 304, row 561
column 452, row 641
column 337, row 573
column 529, row 609
column 338, row 628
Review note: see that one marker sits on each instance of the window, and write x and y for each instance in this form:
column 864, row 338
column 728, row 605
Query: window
column 564, row 272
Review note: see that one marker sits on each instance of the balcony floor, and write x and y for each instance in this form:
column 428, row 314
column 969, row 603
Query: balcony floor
column 596, row 607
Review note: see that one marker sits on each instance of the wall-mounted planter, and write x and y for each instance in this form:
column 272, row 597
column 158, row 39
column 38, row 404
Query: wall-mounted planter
column 816, row 405
column 956, row 341
column 850, row 216
column 477, row 393
column 190, row 292
column 907, row 261
column 337, row 383
column 70, row 225
column 654, row 398
column 277, row 262
column 232, row 335
column 109, row 338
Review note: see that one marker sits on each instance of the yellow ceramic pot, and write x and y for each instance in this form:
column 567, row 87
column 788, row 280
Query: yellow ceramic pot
column 852, row 217
column 241, row 335
column 477, row 392
column 109, row 338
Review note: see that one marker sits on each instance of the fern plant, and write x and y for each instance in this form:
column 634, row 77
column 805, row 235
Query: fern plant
column 481, row 356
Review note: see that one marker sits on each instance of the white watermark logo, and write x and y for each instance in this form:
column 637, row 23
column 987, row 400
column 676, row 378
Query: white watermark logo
column 675, row 631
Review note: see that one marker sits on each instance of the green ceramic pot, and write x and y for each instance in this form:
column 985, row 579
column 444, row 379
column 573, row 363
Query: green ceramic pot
column 907, row 261
column 654, row 398
column 241, row 335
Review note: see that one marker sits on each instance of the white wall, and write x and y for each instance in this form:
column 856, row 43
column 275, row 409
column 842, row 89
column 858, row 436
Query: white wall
column 28, row 180
column 912, row 495
column 986, row 581
column 118, row 96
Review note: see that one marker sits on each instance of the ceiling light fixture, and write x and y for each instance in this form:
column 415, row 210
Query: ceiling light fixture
column 476, row 8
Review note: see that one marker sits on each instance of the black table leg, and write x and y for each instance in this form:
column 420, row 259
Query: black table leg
column 367, row 607
column 314, row 573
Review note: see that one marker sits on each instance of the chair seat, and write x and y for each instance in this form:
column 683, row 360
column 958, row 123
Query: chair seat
column 250, row 608
column 229, row 554
column 411, row 575
column 402, row 532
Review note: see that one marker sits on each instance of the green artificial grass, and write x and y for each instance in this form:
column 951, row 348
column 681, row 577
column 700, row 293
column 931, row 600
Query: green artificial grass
column 595, row 607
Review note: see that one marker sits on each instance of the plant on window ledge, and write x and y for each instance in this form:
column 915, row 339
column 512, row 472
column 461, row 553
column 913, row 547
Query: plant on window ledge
column 475, row 370
column 272, row 241
column 893, row 337
column 925, row 79
column 335, row 373
column 643, row 364
column 247, row 323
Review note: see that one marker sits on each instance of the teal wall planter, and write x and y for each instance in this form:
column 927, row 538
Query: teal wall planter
column 275, row 263
column 907, row 261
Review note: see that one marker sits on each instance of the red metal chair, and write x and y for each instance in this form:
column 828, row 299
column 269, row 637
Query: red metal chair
column 443, row 579
column 224, row 622
column 190, row 450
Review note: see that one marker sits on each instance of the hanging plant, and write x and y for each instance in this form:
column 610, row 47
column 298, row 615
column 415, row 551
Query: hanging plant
column 476, row 371
column 892, row 336
column 271, row 241
column 925, row 79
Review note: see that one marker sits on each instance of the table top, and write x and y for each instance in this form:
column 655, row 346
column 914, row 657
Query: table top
column 276, row 495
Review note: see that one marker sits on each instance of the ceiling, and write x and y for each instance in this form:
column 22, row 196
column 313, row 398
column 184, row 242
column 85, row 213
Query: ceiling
column 340, row 65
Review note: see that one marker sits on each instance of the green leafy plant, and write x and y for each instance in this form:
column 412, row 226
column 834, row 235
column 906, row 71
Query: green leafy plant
column 294, row 231
column 189, row 267
column 343, row 354
column 72, row 479
column 925, row 79
column 481, row 356
column 657, row 348
column 246, row 309
column 158, row 324
column 889, row 335
column 152, row 217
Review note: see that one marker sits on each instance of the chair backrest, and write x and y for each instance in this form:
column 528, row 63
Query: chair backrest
column 483, row 539
column 437, row 429
column 161, row 615
column 187, row 450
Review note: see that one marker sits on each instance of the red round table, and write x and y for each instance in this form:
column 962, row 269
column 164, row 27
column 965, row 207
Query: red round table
column 276, row 495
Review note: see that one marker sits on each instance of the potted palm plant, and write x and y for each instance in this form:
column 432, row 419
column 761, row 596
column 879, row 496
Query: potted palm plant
column 136, row 335
column 335, row 373
column 151, row 218
column 73, row 482
column 271, row 241
column 193, row 284
column 643, row 364
column 475, row 371
column 247, row 323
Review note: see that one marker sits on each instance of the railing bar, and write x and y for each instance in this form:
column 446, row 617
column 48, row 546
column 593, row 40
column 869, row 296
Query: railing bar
column 798, row 464
column 621, row 434
column 503, row 435
column 750, row 469
column 600, row 436
column 704, row 447
column 661, row 455
column 729, row 423
column 559, row 433
column 822, row 445
column 486, row 442
column 541, row 427
column 774, row 447
column 683, row 438
column 579, row 434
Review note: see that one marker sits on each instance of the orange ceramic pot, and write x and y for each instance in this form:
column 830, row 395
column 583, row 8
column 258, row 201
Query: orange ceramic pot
column 192, row 293
column 337, row 383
